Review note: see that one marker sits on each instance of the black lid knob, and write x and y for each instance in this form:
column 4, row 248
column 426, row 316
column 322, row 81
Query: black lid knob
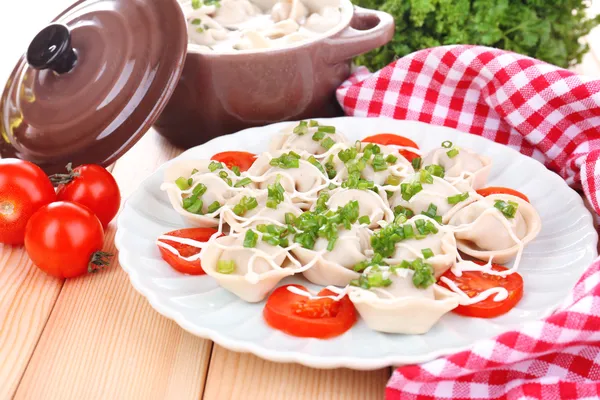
column 51, row 49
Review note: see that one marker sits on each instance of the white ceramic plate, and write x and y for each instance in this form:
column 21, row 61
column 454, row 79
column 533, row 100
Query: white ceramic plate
column 551, row 264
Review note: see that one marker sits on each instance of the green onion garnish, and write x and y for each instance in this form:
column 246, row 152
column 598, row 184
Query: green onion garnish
column 194, row 171
column 364, row 220
column 509, row 209
column 318, row 136
column 425, row 176
column 312, row 123
column 423, row 276
column 399, row 210
column 236, row 170
column 243, row 182
column 416, row 163
column 321, row 204
column 290, row 218
column 213, row 207
column 250, row 239
column 378, row 163
column 447, row 144
column 199, row 189
column 213, row 166
column 245, row 204
column 326, row 129
column 432, row 213
column 390, row 159
column 317, row 164
column 196, row 4
column 427, row 253
column 226, row 266
column 327, row 143
column 452, row 152
column 275, row 193
column 348, row 154
column 194, row 206
column 302, row 128
column 330, row 168
column 458, row 198
column 182, row 183
column 436, row 170
column 223, row 175
column 286, row 161
column 196, row 21
column 408, row 190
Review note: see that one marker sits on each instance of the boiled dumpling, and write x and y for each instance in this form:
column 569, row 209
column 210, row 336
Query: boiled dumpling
column 217, row 190
column 324, row 20
column 401, row 307
column 465, row 163
column 442, row 245
column 335, row 267
column 301, row 137
column 259, row 215
column 256, row 271
column 205, row 31
column 234, row 12
column 370, row 204
column 289, row 9
column 485, row 232
column 436, row 194
column 252, row 40
column 280, row 29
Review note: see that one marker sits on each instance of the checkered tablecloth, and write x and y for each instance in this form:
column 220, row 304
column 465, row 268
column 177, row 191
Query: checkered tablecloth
column 545, row 112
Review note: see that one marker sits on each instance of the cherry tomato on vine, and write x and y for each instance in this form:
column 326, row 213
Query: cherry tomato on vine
column 65, row 240
column 24, row 188
column 92, row 186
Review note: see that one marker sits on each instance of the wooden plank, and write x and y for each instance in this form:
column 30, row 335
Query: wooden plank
column 103, row 340
column 244, row 376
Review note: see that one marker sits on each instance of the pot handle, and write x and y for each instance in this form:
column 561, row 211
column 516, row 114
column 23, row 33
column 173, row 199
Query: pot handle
column 352, row 42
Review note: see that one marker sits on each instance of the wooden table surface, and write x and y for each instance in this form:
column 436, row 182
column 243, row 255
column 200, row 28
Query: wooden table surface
column 95, row 337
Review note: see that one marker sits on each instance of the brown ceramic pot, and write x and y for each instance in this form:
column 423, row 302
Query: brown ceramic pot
column 223, row 93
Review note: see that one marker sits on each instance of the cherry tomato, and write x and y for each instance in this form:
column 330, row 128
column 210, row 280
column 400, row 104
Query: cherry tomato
column 241, row 159
column 397, row 140
column 65, row 240
column 24, row 188
column 178, row 263
column 300, row 316
column 92, row 186
column 501, row 190
column 475, row 282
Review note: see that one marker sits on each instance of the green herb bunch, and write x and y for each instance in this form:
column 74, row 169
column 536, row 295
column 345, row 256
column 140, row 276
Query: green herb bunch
column 547, row 30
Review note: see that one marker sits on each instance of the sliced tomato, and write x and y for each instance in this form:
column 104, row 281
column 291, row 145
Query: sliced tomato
column 300, row 316
column 475, row 282
column 391, row 138
column 243, row 160
column 176, row 261
column 501, row 190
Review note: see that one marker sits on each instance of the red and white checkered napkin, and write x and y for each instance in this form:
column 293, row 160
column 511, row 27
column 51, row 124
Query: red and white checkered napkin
column 547, row 113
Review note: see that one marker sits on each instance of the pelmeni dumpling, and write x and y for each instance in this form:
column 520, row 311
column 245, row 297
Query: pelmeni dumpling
column 256, row 270
column 370, row 204
column 217, row 190
column 205, row 31
column 436, row 193
column 300, row 138
column 465, row 163
column 259, row 215
column 233, row 12
column 335, row 267
column 289, row 9
column 401, row 307
column 442, row 245
column 324, row 20
column 280, row 29
column 485, row 232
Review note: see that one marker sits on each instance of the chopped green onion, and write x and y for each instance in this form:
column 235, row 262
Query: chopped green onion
column 409, row 232
column 245, row 204
column 416, row 163
column 348, row 154
column 326, row 129
column 408, row 190
column 213, row 166
column 399, row 210
column 194, row 171
column 436, row 170
column 331, row 243
column 196, row 4
column 364, row 220
column 427, row 253
column 452, row 152
column 425, row 176
column 306, row 240
column 317, row 164
column 290, row 218
column 458, row 198
column 250, row 239
column 389, row 193
column 318, row 136
column 223, row 175
column 196, row 205
column 327, row 143
column 275, row 193
column 199, row 189
column 446, row 144
column 213, row 207
column 390, row 159
column 330, row 168
column 196, row 21
column 321, row 204
column 236, row 170
column 378, row 163
column 226, row 266
column 432, row 213
column 423, row 276
column 508, row 209
column 182, row 183
column 200, row 30
column 286, row 161
column 302, row 128
column 243, row 182
column 312, row 123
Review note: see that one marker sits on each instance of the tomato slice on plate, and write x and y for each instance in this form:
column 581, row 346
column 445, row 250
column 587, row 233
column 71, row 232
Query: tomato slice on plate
column 475, row 282
column 242, row 159
column 391, row 138
column 501, row 190
column 185, row 250
column 300, row 316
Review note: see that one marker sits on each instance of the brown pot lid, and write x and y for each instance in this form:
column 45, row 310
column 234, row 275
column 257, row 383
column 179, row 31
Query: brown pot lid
column 93, row 83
